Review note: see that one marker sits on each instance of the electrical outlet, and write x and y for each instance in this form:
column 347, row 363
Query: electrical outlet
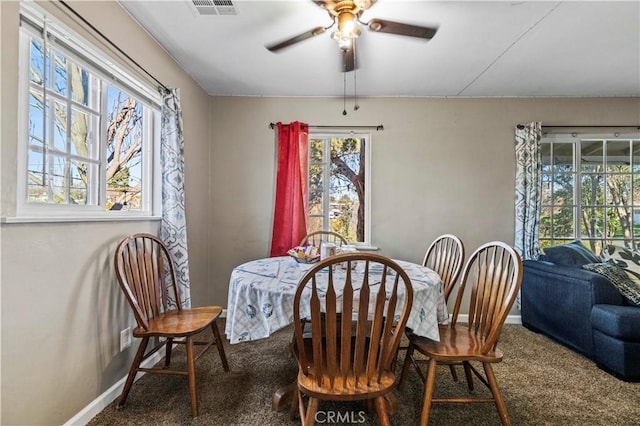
column 125, row 338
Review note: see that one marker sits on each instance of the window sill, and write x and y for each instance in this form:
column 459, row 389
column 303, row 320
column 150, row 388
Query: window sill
column 62, row 219
column 366, row 248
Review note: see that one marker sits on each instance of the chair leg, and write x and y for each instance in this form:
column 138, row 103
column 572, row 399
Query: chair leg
column 135, row 364
column 405, row 366
column 216, row 335
column 469, row 374
column 381, row 410
column 191, row 373
column 312, row 409
column 294, row 403
column 454, row 374
column 493, row 385
column 167, row 355
column 428, row 392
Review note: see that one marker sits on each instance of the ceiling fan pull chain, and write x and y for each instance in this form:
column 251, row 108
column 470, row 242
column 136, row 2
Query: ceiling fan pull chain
column 355, row 87
column 344, row 88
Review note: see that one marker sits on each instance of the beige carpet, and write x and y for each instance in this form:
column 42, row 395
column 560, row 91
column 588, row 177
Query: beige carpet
column 542, row 382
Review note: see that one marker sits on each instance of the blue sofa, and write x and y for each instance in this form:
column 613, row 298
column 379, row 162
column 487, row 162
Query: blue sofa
column 582, row 310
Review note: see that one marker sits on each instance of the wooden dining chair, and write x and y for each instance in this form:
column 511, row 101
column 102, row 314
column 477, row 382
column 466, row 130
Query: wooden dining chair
column 492, row 276
column 349, row 360
column 146, row 275
column 445, row 255
column 318, row 237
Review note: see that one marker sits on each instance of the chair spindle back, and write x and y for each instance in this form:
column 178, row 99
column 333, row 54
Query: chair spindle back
column 445, row 255
column 494, row 273
column 350, row 345
column 146, row 273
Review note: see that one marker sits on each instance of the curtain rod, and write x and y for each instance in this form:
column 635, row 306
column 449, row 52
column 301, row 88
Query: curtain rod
column 611, row 127
column 379, row 127
column 97, row 31
column 636, row 126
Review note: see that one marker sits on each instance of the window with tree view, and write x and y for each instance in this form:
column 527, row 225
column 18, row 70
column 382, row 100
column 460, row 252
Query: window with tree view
column 88, row 137
column 338, row 182
column 590, row 190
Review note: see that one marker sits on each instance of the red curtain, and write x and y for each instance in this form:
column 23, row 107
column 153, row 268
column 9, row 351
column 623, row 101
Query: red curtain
column 292, row 188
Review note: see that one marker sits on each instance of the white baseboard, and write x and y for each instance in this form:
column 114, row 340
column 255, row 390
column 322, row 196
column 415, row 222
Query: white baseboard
column 101, row 402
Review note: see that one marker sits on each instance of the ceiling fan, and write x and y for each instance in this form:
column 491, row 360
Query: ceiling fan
column 346, row 16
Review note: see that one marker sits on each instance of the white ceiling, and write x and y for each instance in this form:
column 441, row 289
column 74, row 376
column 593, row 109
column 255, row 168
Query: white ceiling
column 499, row 48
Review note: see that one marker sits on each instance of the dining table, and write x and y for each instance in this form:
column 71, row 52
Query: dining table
column 261, row 294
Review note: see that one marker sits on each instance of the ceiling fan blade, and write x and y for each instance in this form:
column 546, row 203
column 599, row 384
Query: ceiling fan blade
column 390, row 27
column 293, row 40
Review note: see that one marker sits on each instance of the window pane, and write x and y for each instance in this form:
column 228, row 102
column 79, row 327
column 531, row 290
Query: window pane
column 563, row 222
column 83, row 131
column 563, row 189
column 60, row 74
column 618, row 190
column 78, row 184
column 58, row 180
column 36, row 63
column 619, row 222
column 545, row 154
column 81, row 84
column 636, row 189
column 314, row 223
column 36, row 128
column 636, row 223
column 316, row 147
column 592, row 222
column 60, row 131
column 592, row 156
column 36, row 188
column 545, row 223
column 563, row 157
column 592, row 189
column 546, row 194
column 618, row 156
column 124, row 150
column 636, row 156
column 347, row 174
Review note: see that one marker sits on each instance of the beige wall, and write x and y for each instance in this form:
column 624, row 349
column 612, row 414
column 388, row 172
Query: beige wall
column 440, row 165
column 61, row 308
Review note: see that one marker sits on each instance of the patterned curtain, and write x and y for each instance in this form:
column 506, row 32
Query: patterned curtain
column 528, row 187
column 173, row 228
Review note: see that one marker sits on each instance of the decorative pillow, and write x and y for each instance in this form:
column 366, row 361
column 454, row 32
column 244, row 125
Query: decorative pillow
column 624, row 258
column 572, row 254
column 619, row 277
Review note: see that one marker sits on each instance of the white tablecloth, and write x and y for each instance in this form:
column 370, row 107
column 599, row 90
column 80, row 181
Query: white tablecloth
column 261, row 298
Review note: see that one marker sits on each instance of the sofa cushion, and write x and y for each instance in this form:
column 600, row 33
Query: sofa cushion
column 572, row 254
column 621, row 322
column 619, row 277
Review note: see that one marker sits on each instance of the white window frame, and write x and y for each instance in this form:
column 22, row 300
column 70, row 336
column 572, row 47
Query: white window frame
column 346, row 133
column 92, row 59
column 576, row 139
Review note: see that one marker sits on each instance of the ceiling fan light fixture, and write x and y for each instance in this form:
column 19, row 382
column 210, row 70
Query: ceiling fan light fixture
column 347, row 24
column 347, row 30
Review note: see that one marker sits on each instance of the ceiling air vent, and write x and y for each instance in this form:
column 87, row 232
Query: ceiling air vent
column 214, row 7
